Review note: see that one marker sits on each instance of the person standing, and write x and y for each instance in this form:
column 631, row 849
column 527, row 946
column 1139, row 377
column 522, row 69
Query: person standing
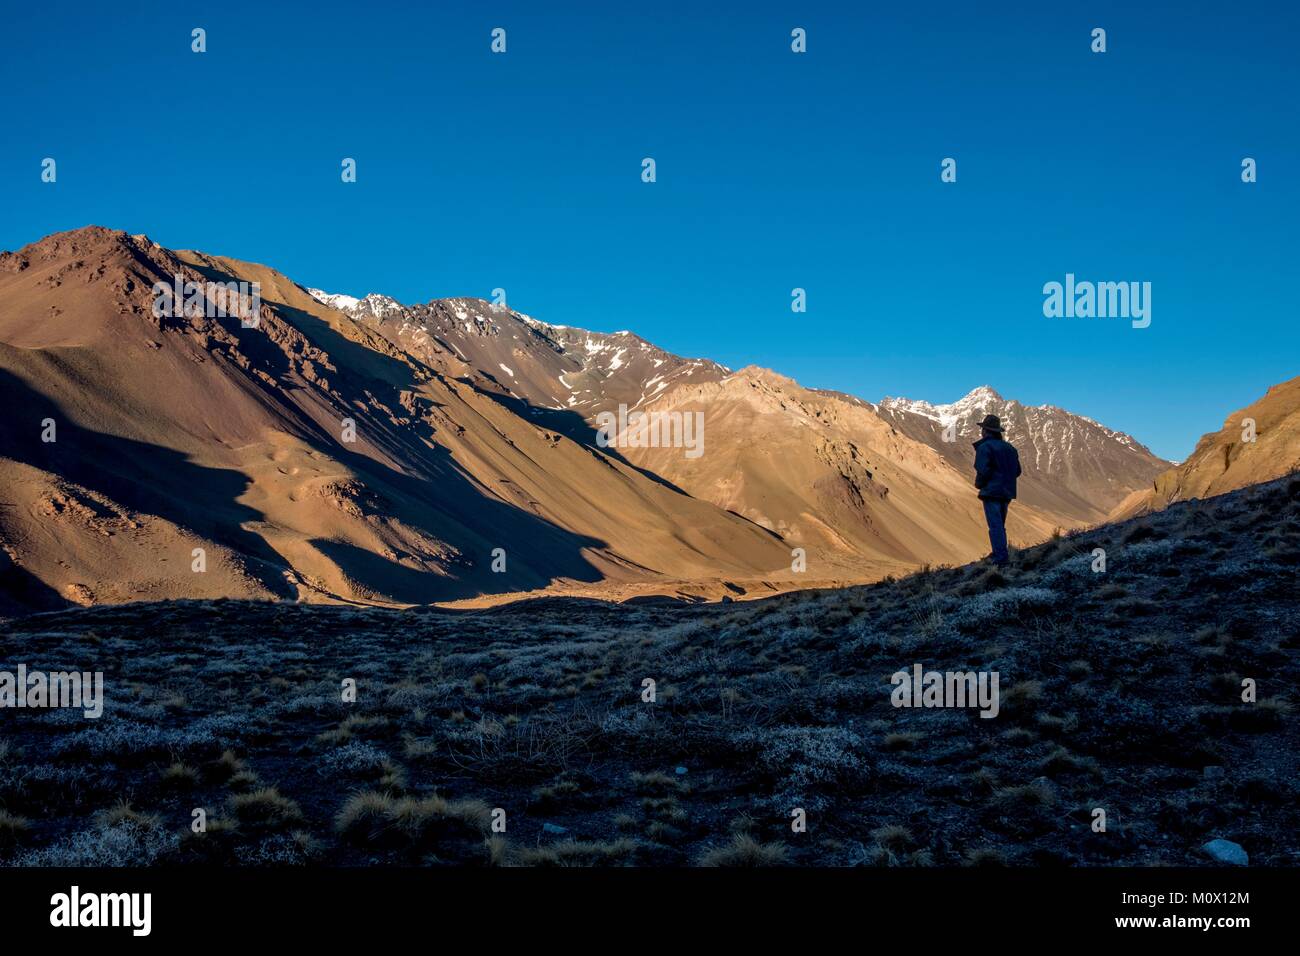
column 997, row 466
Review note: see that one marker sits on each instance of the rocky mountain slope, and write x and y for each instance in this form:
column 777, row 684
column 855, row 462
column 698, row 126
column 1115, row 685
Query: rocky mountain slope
column 827, row 474
column 180, row 433
column 1255, row 444
column 361, row 449
column 1074, row 468
column 793, row 460
column 551, row 367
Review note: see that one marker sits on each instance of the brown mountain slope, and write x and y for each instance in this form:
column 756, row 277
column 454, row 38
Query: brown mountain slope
column 828, row 474
column 362, row 450
column 554, row 368
column 182, row 433
column 1075, row 469
column 1224, row 461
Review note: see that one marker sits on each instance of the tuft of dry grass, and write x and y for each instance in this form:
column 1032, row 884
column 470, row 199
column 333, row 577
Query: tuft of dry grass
column 418, row 748
column 225, row 767
column 351, row 727
column 265, row 807
column 220, row 826
column 243, row 781
column 180, row 776
column 372, row 813
column 657, row 782
column 744, row 850
column 1036, row 794
column 1061, row 761
column 578, row 853
column 1019, row 737
column 1022, row 695
column 122, row 812
column 392, row 776
column 985, row 856
column 742, row 823
column 307, row 845
column 894, row 838
column 12, row 828
column 555, row 792
column 498, row 851
column 984, row 780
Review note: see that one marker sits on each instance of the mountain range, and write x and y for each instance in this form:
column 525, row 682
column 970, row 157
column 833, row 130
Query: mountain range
column 364, row 450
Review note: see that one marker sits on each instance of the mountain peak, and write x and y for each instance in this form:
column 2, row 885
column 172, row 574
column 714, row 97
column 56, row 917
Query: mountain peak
column 980, row 398
column 982, row 393
column 336, row 300
column 372, row 305
column 762, row 374
column 85, row 241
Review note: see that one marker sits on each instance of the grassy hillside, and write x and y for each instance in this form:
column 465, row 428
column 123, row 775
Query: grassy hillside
column 1120, row 690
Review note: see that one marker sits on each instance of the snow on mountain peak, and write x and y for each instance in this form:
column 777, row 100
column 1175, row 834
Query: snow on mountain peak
column 976, row 399
column 380, row 305
column 983, row 393
column 373, row 304
column 335, row 300
column 1046, row 420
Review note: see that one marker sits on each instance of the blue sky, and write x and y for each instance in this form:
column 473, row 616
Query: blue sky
column 775, row 171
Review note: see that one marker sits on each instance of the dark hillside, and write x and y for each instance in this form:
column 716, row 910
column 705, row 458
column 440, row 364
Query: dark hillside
column 1119, row 690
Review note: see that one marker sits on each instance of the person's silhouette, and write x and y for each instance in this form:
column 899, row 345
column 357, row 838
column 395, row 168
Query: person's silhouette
column 997, row 466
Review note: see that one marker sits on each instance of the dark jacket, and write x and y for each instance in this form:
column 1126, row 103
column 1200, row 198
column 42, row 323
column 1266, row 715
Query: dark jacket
column 996, row 468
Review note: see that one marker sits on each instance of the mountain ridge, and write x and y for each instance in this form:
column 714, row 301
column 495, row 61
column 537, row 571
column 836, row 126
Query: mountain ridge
column 438, row 475
column 474, row 429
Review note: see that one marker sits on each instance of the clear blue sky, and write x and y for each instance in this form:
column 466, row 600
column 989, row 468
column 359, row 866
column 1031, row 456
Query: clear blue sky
column 775, row 170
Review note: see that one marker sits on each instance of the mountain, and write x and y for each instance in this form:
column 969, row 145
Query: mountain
column 358, row 449
column 173, row 434
column 552, row 367
column 841, row 476
column 1075, row 469
column 1225, row 460
column 828, row 473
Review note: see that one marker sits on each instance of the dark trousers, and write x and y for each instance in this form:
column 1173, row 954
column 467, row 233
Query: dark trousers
column 995, row 513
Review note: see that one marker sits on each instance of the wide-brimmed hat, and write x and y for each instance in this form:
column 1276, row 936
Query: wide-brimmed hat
column 992, row 423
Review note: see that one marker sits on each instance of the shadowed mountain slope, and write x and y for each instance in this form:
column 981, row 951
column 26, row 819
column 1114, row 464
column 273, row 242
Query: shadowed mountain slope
column 176, row 433
column 362, row 450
